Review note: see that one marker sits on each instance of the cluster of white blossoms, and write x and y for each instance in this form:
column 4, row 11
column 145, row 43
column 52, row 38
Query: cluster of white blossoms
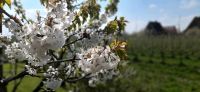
column 52, row 81
column 98, row 58
column 14, row 51
column 90, row 56
column 35, row 39
column 98, row 61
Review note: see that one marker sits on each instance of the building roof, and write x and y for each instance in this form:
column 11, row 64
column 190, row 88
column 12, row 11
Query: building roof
column 194, row 24
column 156, row 28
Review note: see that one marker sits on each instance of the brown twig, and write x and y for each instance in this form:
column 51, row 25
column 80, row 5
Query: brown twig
column 59, row 61
column 20, row 75
column 10, row 16
column 75, row 79
column 74, row 41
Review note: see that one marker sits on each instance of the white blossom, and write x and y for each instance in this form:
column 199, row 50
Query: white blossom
column 13, row 26
column 98, row 59
column 15, row 51
column 34, row 41
column 53, row 83
column 31, row 71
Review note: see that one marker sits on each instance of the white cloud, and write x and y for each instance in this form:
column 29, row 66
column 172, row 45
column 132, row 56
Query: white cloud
column 189, row 4
column 152, row 6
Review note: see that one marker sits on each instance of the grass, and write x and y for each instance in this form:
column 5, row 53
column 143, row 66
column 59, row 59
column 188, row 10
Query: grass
column 28, row 83
column 168, row 77
column 149, row 77
column 158, row 77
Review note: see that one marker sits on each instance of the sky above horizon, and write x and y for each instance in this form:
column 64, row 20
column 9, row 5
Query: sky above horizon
column 139, row 12
column 169, row 12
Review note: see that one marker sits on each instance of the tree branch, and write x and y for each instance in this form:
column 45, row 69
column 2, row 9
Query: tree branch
column 17, row 85
column 75, row 79
column 74, row 41
column 10, row 16
column 20, row 75
column 24, row 73
column 64, row 60
column 37, row 89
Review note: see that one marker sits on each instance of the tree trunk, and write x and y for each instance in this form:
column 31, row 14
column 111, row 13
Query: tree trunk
column 2, row 87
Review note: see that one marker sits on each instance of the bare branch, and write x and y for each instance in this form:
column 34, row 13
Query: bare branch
column 10, row 16
column 75, row 79
column 64, row 60
column 74, row 41
column 39, row 87
column 17, row 85
column 20, row 75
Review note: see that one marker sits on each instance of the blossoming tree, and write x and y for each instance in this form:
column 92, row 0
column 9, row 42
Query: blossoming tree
column 74, row 41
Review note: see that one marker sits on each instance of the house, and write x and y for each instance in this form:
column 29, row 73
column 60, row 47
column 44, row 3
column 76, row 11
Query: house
column 194, row 24
column 156, row 28
column 171, row 30
column 194, row 27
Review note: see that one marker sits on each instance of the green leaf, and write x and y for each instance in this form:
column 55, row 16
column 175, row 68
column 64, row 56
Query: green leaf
column 119, row 47
column 110, row 1
column 122, row 23
column 1, row 4
column 43, row 2
column 8, row 2
column 111, row 27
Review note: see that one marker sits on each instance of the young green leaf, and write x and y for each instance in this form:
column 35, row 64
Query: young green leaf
column 8, row 2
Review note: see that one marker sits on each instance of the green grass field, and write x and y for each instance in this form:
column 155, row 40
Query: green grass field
column 149, row 76
column 171, row 76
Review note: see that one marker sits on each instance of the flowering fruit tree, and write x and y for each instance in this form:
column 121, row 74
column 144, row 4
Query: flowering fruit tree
column 73, row 41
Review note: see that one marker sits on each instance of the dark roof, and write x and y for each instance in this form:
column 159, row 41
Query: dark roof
column 194, row 24
column 154, row 28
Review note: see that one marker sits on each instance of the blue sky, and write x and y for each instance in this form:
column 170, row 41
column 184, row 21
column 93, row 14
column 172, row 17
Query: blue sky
column 139, row 12
column 168, row 12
